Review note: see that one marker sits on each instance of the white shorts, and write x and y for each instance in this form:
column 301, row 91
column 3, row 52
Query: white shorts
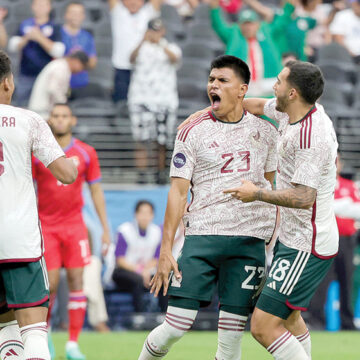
column 147, row 125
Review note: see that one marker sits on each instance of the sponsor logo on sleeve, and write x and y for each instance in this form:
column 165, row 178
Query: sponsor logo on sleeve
column 179, row 160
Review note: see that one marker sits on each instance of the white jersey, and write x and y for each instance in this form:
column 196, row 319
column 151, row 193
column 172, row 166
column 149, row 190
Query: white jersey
column 307, row 152
column 21, row 133
column 215, row 156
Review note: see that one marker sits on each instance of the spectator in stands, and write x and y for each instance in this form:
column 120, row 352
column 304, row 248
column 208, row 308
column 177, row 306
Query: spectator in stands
column 347, row 210
column 345, row 29
column 250, row 40
column 185, row 8
column 153, row 98
column 137, row 253
column 3, row 32
column 306, row 24
column 76, row 38
column 38, row 41
column 129, row 19
column 53, row 83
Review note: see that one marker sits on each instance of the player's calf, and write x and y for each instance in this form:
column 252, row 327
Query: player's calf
column 269, row 331
column 230, row 331
column 35, row 341
column 177, row 322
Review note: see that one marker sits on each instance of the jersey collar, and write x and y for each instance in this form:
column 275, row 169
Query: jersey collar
column 212, row 115
column 311, row 111
column 70, row 145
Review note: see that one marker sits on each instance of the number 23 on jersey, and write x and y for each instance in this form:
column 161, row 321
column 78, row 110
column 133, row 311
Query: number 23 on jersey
column 229, row 167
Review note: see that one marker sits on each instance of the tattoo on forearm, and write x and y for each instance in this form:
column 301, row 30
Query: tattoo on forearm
column 300, row 197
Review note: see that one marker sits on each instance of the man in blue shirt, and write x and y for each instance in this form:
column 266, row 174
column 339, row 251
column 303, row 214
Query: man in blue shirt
column 75, row 38
column 39, row 42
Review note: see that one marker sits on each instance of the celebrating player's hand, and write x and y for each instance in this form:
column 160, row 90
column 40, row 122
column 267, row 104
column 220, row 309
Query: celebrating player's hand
column 246, row 192
column 193, row 116
column 166, row 264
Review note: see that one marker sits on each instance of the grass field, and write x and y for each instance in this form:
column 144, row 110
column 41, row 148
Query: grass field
column 202, row 346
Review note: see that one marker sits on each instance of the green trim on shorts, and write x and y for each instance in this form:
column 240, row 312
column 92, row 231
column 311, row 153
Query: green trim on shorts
column 238, row 310
column 184, row 303
column 273, row 306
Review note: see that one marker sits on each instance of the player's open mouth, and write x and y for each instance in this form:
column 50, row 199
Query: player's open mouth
column 215, row 101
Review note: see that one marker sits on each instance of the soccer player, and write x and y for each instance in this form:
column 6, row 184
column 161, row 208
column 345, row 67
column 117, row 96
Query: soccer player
column 24, row 289
column 224, row 242
column 65, row 234
column 308, row 237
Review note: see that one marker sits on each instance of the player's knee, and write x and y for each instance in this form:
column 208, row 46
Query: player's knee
column 171, row 333
column 75, row 282
column 257, row 326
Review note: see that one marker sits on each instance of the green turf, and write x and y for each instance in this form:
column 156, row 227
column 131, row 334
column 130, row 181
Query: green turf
column 202, row 346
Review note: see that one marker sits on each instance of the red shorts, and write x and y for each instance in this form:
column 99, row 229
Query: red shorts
column 66, row 246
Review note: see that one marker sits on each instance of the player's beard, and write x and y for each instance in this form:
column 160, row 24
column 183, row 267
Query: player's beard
column 281, row 103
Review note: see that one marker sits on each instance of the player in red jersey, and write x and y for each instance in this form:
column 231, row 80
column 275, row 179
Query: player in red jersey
column 64, row 231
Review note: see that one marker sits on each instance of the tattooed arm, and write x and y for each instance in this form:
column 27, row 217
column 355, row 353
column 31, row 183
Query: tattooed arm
column 299, row 197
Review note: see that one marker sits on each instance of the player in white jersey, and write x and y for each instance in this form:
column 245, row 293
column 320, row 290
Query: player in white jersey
column 24, row 289
column 224, row 243
column 308, row 236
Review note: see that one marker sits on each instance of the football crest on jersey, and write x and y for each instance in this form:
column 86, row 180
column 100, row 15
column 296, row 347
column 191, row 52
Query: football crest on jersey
column 179, row 160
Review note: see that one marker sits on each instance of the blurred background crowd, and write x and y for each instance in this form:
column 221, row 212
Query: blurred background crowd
column 133, row 69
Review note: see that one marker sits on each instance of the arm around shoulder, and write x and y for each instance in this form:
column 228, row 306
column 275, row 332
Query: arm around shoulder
column 64, row 170
column 255, row 105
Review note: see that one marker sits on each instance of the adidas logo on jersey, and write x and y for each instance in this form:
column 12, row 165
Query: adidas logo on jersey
column 272, row 285
column 214, row 145
column 10, row 353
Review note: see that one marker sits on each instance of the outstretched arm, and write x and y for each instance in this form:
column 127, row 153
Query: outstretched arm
column 299, row 197
column 264, row 11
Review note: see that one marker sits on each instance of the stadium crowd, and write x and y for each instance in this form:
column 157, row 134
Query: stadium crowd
column 148, row 61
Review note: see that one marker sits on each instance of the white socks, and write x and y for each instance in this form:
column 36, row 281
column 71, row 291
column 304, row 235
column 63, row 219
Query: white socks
column 35, row 341
column 287, row 347
column 305, row 341
column 230, row 332
column 11, row 345
column 177, row 322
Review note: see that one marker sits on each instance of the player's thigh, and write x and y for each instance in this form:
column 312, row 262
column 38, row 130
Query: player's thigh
column 293, row 279
column 52, row 244
column 241, row 274
column 142, row 123
column 197, row 264
column 26, row 284
column 75, row 249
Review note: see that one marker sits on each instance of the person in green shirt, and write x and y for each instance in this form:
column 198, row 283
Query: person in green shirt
column 253, row 41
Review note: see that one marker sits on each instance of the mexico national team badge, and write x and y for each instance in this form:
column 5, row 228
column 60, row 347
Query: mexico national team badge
column 179, row 160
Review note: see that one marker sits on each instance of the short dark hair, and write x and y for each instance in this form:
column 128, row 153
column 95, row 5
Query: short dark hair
column 307, row 79
column 62, row 104
column 140, row 203
column 5, row 65
column 81, row 56
column 74, row 3
column 239, row 67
